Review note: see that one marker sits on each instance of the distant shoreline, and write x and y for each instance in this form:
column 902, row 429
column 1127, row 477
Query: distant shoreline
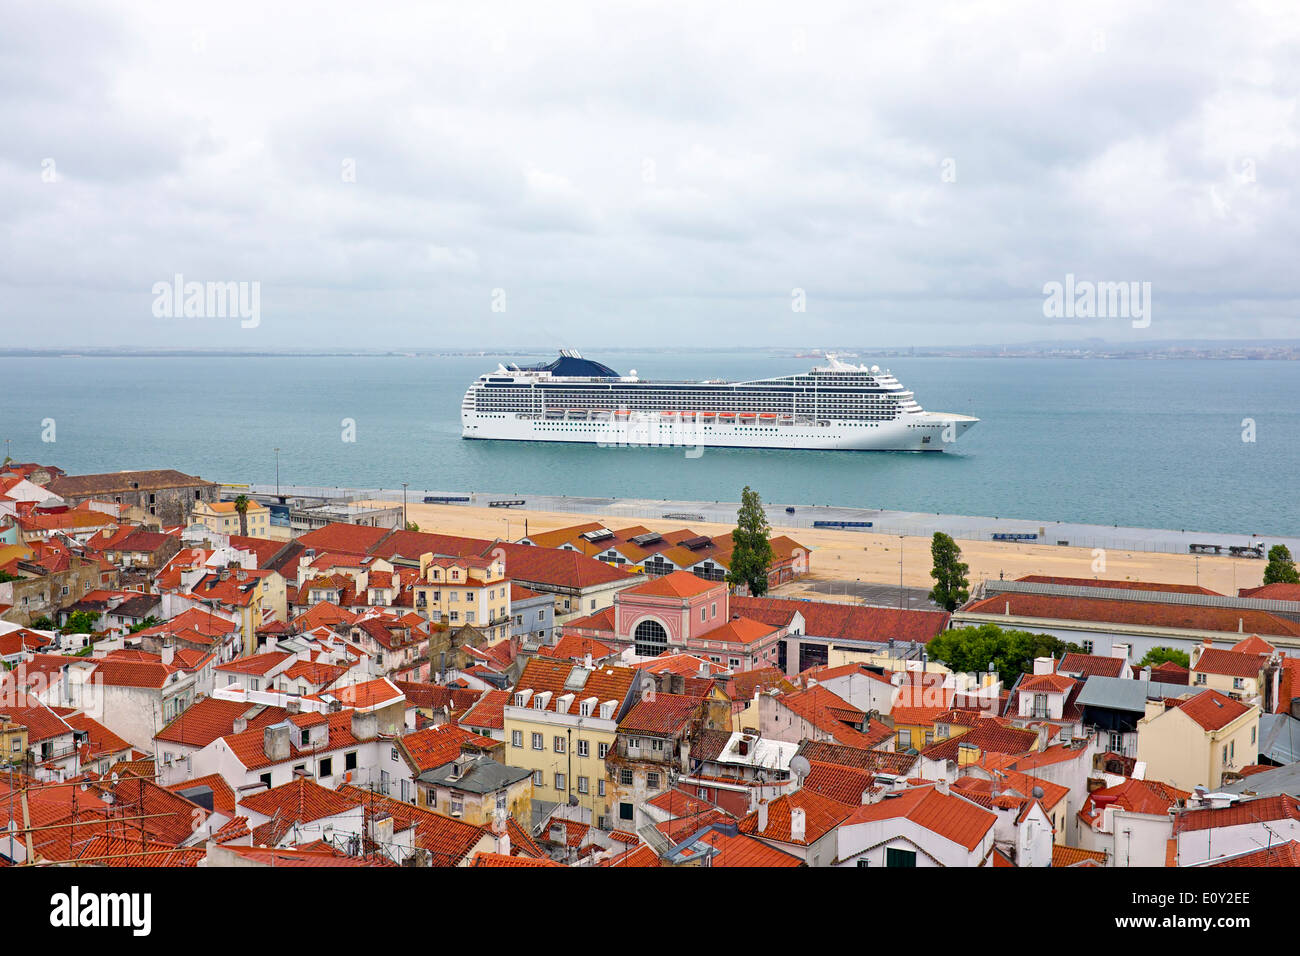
column 1280, row 351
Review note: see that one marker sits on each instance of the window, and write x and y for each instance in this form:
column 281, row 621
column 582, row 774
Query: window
column 559, row 781
column 733, row 662
column 350, row 760
column 501, row 800
column 584, row 748
column 625, row 811
column 538, row 778
column 1040, row 705
column 266, row 779
column 1087, row 647
column 625, row 776
column 516, row 738
column 539, row 743
column 651, row 638
column 863, row 861
column 704, row 616
column 600, row 788
column 327, row 767
column 1200, row 679
column 392, row 754
column 541, row 615
column 652, row 780
column 602, row 750
column 900, row 858
column 582, row 784
column 904, row 740
column 559, row 745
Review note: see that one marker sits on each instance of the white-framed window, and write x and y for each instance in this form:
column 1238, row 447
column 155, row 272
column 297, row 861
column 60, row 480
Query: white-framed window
column 602, row 750
column 539, row 742
column 559, row 781
column 559, row 745
column 584, row 748
column 516, row 738
column 582, row 784
column 538, row 778
column 600, row 787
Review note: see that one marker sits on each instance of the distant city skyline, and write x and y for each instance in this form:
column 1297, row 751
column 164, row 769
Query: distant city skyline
column 450, row 177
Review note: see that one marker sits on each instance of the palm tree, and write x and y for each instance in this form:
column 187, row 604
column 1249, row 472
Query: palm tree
column 241, row 506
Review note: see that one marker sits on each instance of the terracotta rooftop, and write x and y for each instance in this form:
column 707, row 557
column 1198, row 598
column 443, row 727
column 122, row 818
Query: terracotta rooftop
column 951, row 817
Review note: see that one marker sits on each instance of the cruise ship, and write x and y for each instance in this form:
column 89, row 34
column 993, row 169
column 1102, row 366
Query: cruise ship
column 836, row 406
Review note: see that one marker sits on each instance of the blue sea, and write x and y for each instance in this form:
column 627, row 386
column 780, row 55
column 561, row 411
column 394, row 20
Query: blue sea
column 1147, row 443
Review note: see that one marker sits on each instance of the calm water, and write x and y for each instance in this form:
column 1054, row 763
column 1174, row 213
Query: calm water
column 1143, row 443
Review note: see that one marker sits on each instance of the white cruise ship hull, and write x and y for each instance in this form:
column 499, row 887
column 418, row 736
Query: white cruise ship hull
column 927, row 431
column 838, row 407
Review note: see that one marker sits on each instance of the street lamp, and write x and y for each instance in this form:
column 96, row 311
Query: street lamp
column 404, row 521
column 277, row 473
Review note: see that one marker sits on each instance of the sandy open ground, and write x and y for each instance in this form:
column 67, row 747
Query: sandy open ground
column 850, row 555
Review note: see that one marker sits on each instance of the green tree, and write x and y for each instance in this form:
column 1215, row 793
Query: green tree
column 44, row 623
column 148, row 622
column 412, row 526
column 6, row 577
column 1010, row 652
column 949, row 572
column 1163, row 655
column 241, row 506
column 751, row 551
column 1281, row 568
column 79, row 622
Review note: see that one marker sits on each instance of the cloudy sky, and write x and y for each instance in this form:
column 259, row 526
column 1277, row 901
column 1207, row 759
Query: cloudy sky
column 469, row 174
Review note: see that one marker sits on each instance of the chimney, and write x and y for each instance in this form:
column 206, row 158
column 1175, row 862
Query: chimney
column 1119, row 650
column 168, row 652
column 1146, row 673
column 762, row 818
column 275, row 741
column 240, row 725
column 1008, row 610
column 586, row 660
column 1042, row 737
column 798, row 824
column 1044, row 665
column 941, row 786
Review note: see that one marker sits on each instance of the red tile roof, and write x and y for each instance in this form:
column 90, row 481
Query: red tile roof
column 209, row 718
column 1212, row 710
column 1253, row 645
column 434, row 746
column 678, row 584
column 1228, row 663
column 845, row 621
column 744, row 851
column 1282, row 854
column 1257, row 812
column 499, row 860
column 1117, row 585
column 607, row 682
column 1278, row 591
column 557, row 568
column 300, row 801
column 1075, row 856
column 1050, row 683
column 489, row 711
column 352, row 539
column 989, row 736
column 1090, row 665
column 574, row 648
column 821, row 815
column 951, row 817
column 1184, row 616
column 1149, row 797
column 664, row 715
column 147, row 674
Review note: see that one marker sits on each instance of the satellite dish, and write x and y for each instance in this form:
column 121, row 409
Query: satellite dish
column 1038, row 793
column 875, row 368
column 800, row 766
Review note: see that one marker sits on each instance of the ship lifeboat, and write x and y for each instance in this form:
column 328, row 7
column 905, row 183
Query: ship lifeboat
column 768, row 416
column 747, row 417
column 668, row 416
column 621, row 413
column 708, row 416
column 688, row 416
column 728, row 417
